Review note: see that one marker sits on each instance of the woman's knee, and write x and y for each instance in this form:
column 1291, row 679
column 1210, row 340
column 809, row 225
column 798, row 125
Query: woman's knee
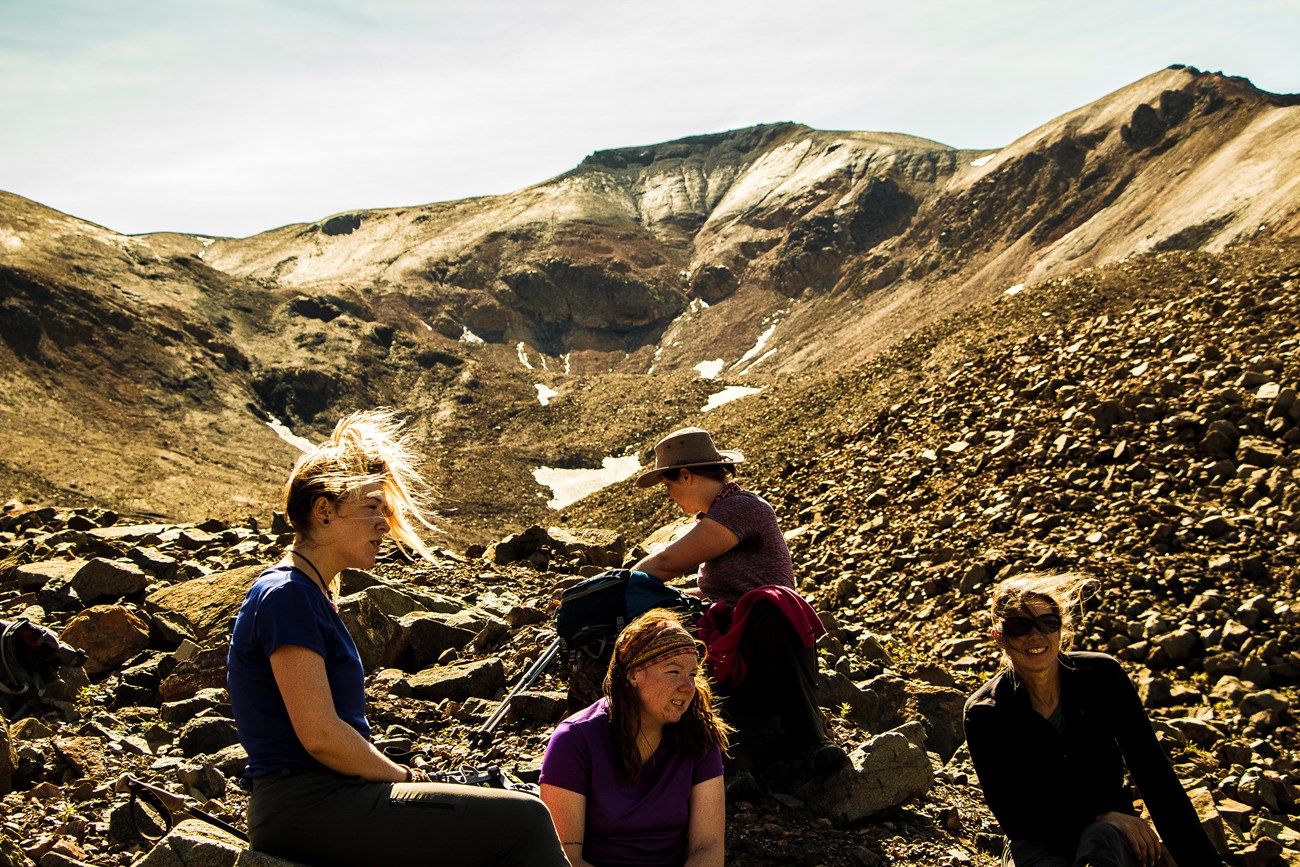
column 1104, row 844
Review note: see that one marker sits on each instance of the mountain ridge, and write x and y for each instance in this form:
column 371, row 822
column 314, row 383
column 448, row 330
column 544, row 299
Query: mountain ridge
column 772, row 254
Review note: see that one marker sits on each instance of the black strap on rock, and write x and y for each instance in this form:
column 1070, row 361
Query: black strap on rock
column 144, row 796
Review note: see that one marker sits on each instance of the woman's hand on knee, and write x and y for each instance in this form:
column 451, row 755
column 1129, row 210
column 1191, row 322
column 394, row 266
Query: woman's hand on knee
column 1141, row 838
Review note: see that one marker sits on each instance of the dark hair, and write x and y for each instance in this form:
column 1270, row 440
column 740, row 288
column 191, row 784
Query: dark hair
column 717, row 472
column 365, row 448
column 700, row 726
column 1063, row 592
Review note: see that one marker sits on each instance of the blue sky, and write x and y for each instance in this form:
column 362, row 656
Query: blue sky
column 236, row 116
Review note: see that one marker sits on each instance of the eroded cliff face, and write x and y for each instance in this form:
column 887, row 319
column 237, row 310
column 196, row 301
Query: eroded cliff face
column 759, row 256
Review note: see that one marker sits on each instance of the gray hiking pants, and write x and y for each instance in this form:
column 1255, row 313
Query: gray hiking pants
column 1100, row 845
column 328, row 820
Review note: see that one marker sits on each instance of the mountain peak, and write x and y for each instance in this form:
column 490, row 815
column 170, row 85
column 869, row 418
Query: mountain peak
column 737, row 141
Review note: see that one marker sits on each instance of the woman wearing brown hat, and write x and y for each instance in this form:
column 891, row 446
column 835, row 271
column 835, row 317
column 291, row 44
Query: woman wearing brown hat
column 759, row 630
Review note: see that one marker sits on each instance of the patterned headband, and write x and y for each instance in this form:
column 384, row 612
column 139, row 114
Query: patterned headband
column 652, row 645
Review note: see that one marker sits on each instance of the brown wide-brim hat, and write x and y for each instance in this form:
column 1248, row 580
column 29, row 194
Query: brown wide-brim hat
column 688, row 447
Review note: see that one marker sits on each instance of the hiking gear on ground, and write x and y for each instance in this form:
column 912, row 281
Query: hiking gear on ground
column 593, row 612
column 30, row 658
column 483, row 735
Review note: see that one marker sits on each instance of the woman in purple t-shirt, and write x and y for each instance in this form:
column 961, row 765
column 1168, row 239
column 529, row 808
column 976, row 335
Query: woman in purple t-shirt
column 760, row 631
column 635, row 780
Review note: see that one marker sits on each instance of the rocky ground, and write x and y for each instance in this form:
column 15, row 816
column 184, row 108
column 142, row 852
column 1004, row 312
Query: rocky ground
column 1138, row 421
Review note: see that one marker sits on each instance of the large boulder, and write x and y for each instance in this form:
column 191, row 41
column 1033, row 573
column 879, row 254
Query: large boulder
column 209, row 603
column 428, row 636
column 102, row 579
column 193, row 843
column 109, row 635
column 480, row 678
column 377, row 636
column 883, row 774
column 942, row 711
column 34, row 576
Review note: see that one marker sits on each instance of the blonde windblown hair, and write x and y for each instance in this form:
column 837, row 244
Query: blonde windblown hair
column 365, row 448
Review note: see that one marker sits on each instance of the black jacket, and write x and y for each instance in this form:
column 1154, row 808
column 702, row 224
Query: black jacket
column 1046, row 786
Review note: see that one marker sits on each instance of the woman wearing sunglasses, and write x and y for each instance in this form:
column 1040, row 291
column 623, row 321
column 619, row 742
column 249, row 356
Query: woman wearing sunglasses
column 1051, row 735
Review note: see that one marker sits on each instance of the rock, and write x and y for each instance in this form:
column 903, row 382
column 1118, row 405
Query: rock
column 205, row 700
column 8, row 758
column 1228, row 662
column 378, row 637
column 34, row 576
column 941, row 709
column 1181, row 645
column 1262, row 852
column 209, row 604
column 131, row 534
column 109, row 635
column 193, row 843
column 83, row 756
column 883, row 774
column 202, row 781
column 169, row 629
column 206, row 734
column 870, row 648
column 428, row 636
column 973, row 578
column 539, row 708
column 842, row 697
column 458, row 682
column 1197, row 731
column 154, row 562
column 230, row 761
column 590, row 546
column 102, row 579
column 1155, row 691
column 1106, row 415
column 138, row 684
column 1258, row 452
column 12, row 855
column 392, row 602
column 205, row 670
column 1203, row 801
column 57, row 858
column 1220, row 438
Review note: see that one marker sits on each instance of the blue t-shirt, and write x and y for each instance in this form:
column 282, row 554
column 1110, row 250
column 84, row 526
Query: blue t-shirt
column 284, row 607
column 641, row 825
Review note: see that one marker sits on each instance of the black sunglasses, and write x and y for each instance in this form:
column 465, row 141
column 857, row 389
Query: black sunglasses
column 1019, row 627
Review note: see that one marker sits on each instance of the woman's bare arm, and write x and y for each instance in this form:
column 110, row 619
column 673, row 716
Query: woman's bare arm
column 706, row 833
column 706, row 540
column 569, row 813
column 305, row 688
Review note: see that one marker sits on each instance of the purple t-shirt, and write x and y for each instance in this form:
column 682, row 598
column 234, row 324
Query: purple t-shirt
column 759, row 559
column 284, row 607
column 641, row 825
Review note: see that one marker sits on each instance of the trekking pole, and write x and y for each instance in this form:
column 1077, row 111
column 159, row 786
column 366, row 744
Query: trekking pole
column 159, row 800
column 483, row 735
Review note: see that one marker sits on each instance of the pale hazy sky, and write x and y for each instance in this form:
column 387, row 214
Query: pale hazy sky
column 235, row 116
